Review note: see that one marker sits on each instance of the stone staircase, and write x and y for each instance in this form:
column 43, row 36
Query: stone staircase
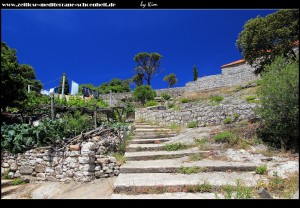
column 7, row 187
column 150, row 172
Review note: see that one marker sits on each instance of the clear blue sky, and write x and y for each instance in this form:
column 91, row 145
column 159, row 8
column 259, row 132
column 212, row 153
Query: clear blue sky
column 94, row 46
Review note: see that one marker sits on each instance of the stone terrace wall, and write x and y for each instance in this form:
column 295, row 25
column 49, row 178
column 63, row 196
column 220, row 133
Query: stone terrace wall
column 230, row 76
column 82, row 162
column 204, row 115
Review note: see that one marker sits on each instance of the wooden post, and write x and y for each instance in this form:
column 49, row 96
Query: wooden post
column 63, row 86
column 95, row 117
column 52, row 105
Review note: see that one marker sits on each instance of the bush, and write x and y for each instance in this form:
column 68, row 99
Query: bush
column 166, row 96
column 192, row 124
column 224, row 136
column 171, row 105
column 227, row 121
column 151, row 103
column 185, row 100
column 261, row 169
column 217, row 98
column 279, row 98
column 143, row 93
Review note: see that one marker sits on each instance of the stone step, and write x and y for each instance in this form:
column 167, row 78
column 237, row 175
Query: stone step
column 176, row 195
column 175, row 165
column 149, row 141
column 5, row 182
column 144, row 147
column 155, row 155
column 158, row 130
column 152, row 136
column 147, row 127
column 138, row 183
column 151, row 133
column 9, row 189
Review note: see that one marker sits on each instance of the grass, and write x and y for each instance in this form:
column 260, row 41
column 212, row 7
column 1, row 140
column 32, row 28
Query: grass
column 238, row 192
column 17, row 181
column 224, row 136
column 192, row 124
column 171, row 105
column 205, row 187
column 174, row 147
column 175, row 127
column 185, row 100
column 151, row 103
column 195, row 157
column 119, row 157
column 201, row 143
column 191, row 170
column 176, row 108
column 139, row 148
column 261, row 170
column 5, row 174
column 251, row 99
column 217, row 98
column 166, row 96
column 227, row 120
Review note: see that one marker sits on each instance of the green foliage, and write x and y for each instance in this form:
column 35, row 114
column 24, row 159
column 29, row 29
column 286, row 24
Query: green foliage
column 137, row 79
column 217, row 98
column 238, row 192
column 264, row 38
column 5, row 174
column 19, row 137
column 166, row 96
column 279, row 98
column 15, row 78
column 236, row 116
column 261, row 170
column 90, row 86
column 205, row 187
column 119, row 157
column 227, row 120
column 143, row 93
column 147, row 64
column 66, row 89
column 174, row 147
column 171, row 105
column 192, row 124
column 251, row 99
column 185, row 100
column 151, row 103
column 190, row 170
column 195, row 157
column 195, row 73
column 115, row 85
column 17, row 181
column 224, row 136
column 171, row 79
column 176, row 108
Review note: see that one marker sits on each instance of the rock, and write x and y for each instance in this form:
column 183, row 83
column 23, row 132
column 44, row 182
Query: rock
column 17, row 174
column 26, row 170
column 11, row 175
column 87, row 167
column 85, row 160
column 296, row 195
column 159, row 99
column 14, row 167
column 39, row 168
column 103, row 160
column 99, row 174
column 116, row 172
column 70, row 173
column 51, row 178
column 108, row 171
column 41, row 176
column 78, row 175
column 71, row 160
column 5, row 165
column 60, row 176
column 97, row 168
column 113, row 160
column 88, row 173
column 39, row 160
column 74, row 147
column 74, row 153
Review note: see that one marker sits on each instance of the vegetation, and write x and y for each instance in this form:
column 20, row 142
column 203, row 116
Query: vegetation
column 205, row 187
column 238, row 192
column 217, row 98
column 251, row 99
column 115, row 86
column 279, row 98
column 224, row 136
column 137, row 79
column 66, row 87
column 147, row 64
column 261, row 169
column 185, row 100
column 227, row 120
column 17, row 181
column 201, row 143
column 151, row 103
column 195, row 157
column 171, row 79
column 174, row 147
column 264, row 38
column 192, row 124
column 15, row 78
column 171, row 105
column 144, row 93
column 190, row 170
column 195, row 73
column 175, row 127
column 166, row 96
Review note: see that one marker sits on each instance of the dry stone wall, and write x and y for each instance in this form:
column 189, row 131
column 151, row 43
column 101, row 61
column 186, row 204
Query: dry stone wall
column 82, row 162
column 204, row 115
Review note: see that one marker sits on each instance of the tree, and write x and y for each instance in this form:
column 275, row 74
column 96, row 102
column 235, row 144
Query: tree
column 115, row 85
column 195, row 73
column 66, row 89
column 147, row 64
column 137, row 79
column 262, row 39
column 143, row 93
column 171, row 79
column 14, row 79
column 279, row 98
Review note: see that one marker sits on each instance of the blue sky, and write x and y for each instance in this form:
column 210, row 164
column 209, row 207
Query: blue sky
column 94, row 46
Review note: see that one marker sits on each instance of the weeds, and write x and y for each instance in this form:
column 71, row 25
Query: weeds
column 120, row 158
column 195, row 157
column 205, row 187
column 17, row 181
column 174, row 147
column 217, row 98
column 261, row 170
column 227, row 121
column 191, row 170
column 238, row 192
column 185, row 100
column 224, row 136
column 201, row 143
column 251, row 99
column 192, row 124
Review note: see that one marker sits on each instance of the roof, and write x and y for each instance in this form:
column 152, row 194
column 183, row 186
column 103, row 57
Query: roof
column 234, row 63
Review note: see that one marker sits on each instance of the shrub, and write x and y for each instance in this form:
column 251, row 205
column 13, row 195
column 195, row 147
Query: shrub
column 217, row 98
column 192, row 124
column 261, row 169
column 17, row 181
column 251, row 99
column 166, row 96
column 151, row 103
column 224, row 136
column 227, row 121
column 143, row 93
column 171, row 105
column 236, row 116
column 279, row 98
column 185, row 100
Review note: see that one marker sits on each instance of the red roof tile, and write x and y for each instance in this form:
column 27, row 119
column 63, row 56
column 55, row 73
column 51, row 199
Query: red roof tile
column 233, row 63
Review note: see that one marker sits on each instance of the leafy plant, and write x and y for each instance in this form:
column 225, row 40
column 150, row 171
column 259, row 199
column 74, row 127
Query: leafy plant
column 166, row 96
column 185, row 100
column 227, row 121
column 224, row 136
column 18, row 181
column 251, row 99
column 143, row 93
column 151, row 103
column 192, row 124
column 174, row 147
column 195, row 157
column 217, row 98
column 261, row 169
column 190, row 170
column 205, row 187
column 238, row 192
column 171, row 105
